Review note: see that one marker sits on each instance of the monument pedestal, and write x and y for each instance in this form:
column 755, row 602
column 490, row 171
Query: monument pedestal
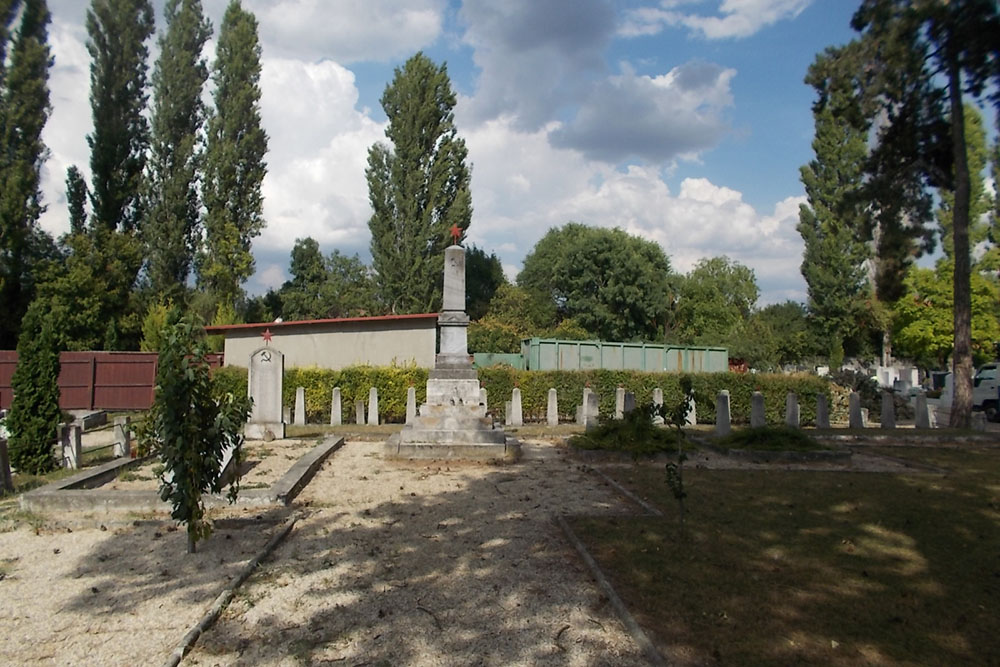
column 452, row 424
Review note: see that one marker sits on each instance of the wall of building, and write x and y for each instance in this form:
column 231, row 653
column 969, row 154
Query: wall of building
column 377, row 342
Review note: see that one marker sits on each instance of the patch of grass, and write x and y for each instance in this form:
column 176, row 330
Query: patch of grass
column 770, row 438
column 797, row 567
column 635, row 434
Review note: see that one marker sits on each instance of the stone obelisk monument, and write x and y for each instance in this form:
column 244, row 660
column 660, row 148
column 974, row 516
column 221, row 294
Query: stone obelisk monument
column 452, row 424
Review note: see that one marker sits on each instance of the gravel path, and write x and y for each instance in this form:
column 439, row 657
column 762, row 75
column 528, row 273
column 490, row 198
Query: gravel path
column 415, row 564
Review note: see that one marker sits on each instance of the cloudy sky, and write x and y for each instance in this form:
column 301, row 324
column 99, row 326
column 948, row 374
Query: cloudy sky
column 682, row 121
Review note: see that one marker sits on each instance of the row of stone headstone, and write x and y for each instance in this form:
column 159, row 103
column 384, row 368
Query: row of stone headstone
column 371, row 418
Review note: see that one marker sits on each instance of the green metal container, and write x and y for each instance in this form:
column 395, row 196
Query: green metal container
column 548, row 354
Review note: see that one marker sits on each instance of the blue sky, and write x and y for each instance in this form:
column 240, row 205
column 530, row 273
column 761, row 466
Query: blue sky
column 683, row 121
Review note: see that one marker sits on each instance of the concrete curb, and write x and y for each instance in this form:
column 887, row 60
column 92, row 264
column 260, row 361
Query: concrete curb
column 77, row 492
column 768, row 456
column 226, row 596
column 648, row 650
column 652, row 511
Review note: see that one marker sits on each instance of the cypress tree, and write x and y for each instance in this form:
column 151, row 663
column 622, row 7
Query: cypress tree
column 832, row 224
column 34, row 412
column 234, row 160
column 24, row 110
column 418, row 187
column 171, row 227
column 76, row 198
column 118, row 30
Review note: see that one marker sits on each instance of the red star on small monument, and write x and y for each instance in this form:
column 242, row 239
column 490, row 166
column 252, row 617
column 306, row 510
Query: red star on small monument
column 456, row 233
column 267, row 335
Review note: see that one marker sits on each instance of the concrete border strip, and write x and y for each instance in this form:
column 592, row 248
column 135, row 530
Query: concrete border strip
column 628, row 494
column 640, row 637
column 226, row 596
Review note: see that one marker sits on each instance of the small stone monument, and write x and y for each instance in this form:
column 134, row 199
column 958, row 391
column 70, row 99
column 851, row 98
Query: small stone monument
column 552, row 409
column 792, row 409
column 359, row 411
column 619, row 402
column 516, row 414
column 855, row 417
column 411, row 404
column 300, row 406
column 757, row 414
column 922, row 416
column 373, row 406
column 822, row 412
column 336, row 409
column 657, row 403
column 723, row 423
column 264, row 384
column 691, row 418
column 452, row 424
column 888, row 410
column 122, row 437
column 72, row 445
column 587, row 413
column 628, row 405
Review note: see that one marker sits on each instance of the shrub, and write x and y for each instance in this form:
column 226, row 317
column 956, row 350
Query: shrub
column 34, row 412
column 770, row 438
column 635, row 434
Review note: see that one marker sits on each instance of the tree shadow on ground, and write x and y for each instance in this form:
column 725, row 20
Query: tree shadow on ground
column 783, row 567
column 474, row 572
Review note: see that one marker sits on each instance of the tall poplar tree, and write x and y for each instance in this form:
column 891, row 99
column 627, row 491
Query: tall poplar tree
column 76, row 199
column 117, row 31
column 418, row 187
column 833, row 223
column 172, row 225
column 24, row 110
column 923, row 59
column 234, row 161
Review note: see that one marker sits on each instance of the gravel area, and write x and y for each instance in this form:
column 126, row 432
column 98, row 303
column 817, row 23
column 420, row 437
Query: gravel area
column 393, row 564
column 416, row 564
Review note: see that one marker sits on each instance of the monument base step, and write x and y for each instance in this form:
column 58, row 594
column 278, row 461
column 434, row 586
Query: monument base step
column 508, row 450
column 470, row 436
column 264, row 431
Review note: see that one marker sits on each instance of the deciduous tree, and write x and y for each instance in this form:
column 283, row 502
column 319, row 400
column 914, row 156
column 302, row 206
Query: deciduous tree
column 613, row 284
column 418, row 187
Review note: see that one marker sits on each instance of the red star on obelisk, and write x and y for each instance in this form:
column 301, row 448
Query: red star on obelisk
column 456, row 233
column 267, row 335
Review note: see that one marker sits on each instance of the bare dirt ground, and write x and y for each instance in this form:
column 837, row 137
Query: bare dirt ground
column 391, row 564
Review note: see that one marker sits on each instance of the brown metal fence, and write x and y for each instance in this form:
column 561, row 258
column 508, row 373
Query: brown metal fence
column 97, row 380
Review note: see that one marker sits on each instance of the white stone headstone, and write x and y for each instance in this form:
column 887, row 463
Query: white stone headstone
column 619, row 402
column 359, row 411
column 757, row 414
column 264, row 384
column 691, row 418
column 723, row 423
column 552, row 409
column 72, row 446
column 122, row 437
column 657, row 403
column 300, row 406
column 411, row 404
column 336, row 408
column 373, row 407
column 791, row 410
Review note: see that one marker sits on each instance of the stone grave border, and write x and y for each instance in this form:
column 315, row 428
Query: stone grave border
column 78, row 492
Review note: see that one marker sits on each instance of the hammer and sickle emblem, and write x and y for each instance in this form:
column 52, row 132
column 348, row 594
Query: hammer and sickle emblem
column 265, row 356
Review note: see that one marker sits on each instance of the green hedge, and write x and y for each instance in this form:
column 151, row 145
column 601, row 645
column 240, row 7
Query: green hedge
column 392, row 382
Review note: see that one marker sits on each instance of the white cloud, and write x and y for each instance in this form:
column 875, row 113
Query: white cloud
column 348, row 30
column 735, row 18
column 319, row 147
column 657, row 119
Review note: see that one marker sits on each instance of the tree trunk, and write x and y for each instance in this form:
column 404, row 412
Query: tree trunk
column 961, row 409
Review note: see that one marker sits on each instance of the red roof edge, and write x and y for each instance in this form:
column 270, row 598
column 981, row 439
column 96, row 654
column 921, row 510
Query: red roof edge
column 222, row 328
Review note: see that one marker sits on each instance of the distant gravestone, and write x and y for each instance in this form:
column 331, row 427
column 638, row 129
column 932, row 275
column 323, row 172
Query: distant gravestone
column 373, row 407
column 552, row 409
column 6, row 481
column 359, row 411
column 922, row 418
column 791, row 410
column 72, row 445
column 628, row 405
column 822, row 411
column 723, row 423
column 121, row 445
column 591, row 410
column 691, row 418
column 757, row 415
column 336, row 408
column 483, row 397
column 300, row 406
column 657, row 403
column 888, row 410
column 855, row 419
column 411, row 404
column 264, row 384
column 619, row 402
column 516, row 415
